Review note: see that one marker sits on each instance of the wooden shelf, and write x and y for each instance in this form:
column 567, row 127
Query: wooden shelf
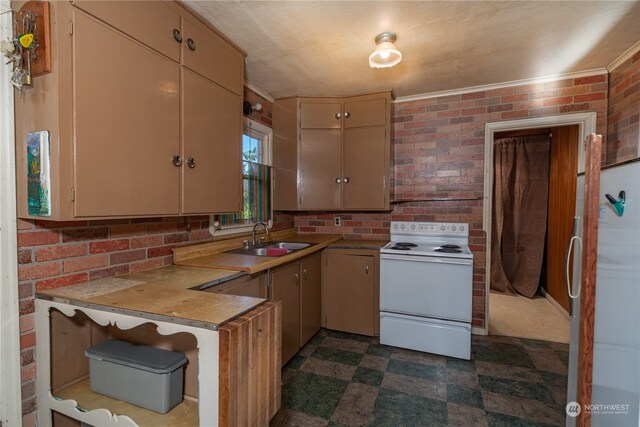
column 185, row 414
column 435, row 199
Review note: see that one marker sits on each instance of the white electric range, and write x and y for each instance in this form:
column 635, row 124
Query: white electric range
column 426, row 281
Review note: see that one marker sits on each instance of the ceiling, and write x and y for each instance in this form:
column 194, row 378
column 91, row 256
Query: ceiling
column 322, row 47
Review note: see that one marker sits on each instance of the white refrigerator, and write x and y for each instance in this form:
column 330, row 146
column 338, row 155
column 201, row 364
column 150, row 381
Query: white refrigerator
column 616, row 356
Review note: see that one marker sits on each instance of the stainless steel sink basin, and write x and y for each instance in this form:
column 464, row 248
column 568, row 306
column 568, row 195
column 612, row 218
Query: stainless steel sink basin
column 262, row 250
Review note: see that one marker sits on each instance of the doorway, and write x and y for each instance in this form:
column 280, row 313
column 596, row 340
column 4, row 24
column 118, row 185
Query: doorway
column 533, row 207
column 586, row 124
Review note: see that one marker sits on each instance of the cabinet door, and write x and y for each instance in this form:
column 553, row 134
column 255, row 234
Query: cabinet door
column 349, row 293
column 212, row 138
column 127, row 124
column 326, row 115
column 320, row 183
column 371, row 112
column 285, row 287
column 208, row 54
column 310, row 298
column 132, row 18
column 365, row 168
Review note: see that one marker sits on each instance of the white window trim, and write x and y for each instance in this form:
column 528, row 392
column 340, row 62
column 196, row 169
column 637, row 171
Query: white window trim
column 267, row 156
column 10, row 393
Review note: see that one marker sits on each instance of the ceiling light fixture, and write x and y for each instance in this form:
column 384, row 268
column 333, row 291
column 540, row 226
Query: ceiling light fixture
column 386, row 55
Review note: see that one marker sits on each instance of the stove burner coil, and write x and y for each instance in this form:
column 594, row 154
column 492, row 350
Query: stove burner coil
column 450, row 246
column 448, row 250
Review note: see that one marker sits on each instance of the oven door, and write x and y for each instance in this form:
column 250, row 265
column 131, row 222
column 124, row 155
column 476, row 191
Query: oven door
column 436, row 287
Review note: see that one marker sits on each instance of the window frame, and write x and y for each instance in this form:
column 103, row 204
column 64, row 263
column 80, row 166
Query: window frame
column 266, row 142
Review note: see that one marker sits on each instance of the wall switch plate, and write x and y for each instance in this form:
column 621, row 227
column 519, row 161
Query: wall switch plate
column 337, row 221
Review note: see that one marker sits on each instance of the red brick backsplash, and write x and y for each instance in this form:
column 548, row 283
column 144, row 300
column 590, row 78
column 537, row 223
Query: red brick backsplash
column 624, row 111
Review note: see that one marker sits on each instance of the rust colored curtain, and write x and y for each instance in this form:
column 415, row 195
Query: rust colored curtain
column 520, row 195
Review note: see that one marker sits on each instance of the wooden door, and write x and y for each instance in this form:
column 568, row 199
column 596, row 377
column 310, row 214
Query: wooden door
column 349, row 294
column 285, row 287
column 320, row 183
column 132, row 18
column 321, row 115
column 365, row 170
column 206, row 53
column 563, row 170
column 310, row 299
column 127, row 124
column 370, row 112
column 212, row 138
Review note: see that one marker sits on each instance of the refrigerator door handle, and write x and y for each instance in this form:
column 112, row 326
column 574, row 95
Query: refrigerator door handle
column 567, row 266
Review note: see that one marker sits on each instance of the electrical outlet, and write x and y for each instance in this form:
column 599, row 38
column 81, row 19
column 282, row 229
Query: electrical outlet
column 337, row 221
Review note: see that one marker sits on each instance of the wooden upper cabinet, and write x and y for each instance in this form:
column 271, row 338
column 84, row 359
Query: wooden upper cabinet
column 321, row 115
column 211, row 129
column 320, row 169
column 125, row 108
column 151, row 23
column 206, row 53
column 370, row 112
column 126, row 124
column 365, row 168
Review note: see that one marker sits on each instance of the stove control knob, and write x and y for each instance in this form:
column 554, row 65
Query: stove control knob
column 413, row 226
column 453, row 228
column 402, row 226
column 462, row 228
column 442, row 227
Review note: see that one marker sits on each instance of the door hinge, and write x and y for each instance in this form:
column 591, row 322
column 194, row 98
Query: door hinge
column 70, row 27
column 73, row 194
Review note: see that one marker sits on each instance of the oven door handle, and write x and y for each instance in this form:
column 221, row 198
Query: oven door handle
column 425, row 259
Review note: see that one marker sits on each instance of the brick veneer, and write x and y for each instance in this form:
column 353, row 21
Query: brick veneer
column 438, row 146
column 624, row 109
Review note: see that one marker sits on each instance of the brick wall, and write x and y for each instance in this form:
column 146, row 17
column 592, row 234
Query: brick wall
column 54, row 254
column 264, row 115
column 438, row 146
column 624, row 108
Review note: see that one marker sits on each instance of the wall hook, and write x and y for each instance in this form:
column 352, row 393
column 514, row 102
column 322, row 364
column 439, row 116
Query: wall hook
column 618, row 205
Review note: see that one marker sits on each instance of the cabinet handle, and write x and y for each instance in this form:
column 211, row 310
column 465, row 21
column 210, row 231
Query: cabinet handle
column 338, row 180
column 347, row 114
column 366, row 269
column 346, row 179
column 191, row 44
column 338, row 115
column 304, row 273
column 176, row 160
column 191, row 162
column 177, row 36
column 297, row 278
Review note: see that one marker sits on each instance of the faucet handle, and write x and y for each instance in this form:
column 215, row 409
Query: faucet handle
column 261, row 239
column 245, row 243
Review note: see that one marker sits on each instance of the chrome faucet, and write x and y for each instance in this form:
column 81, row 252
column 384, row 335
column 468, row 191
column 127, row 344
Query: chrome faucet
column 253, row 233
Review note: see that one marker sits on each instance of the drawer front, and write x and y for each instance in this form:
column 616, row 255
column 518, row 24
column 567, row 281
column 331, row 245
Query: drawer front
column 429, row 335
column 209, row 55
column 132, row 18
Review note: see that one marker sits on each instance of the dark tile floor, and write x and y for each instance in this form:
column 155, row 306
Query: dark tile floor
column 344, row 379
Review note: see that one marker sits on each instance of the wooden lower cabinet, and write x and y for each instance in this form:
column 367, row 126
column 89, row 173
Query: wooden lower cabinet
column 250, row 367
column 297, row 285
column 351, row 291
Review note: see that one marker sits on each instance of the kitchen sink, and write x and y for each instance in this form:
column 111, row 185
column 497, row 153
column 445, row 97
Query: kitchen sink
column 263, row 250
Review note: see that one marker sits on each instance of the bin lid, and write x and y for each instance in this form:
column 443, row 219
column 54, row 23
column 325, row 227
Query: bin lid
column 142, row 357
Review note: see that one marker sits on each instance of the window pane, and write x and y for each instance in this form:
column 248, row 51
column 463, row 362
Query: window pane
column 251, row 149
column 256, row 200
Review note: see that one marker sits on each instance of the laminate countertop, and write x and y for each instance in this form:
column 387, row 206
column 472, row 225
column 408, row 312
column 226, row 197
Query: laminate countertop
column 358, row 244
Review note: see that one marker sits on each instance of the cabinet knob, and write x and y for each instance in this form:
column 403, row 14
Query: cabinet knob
column 191, row 44
column 338, row 180
column 366, row 269
column 177, row 36
column 191, row 162
column 176, row 160
column 346, row 179
column 347, row 114
column 304, row 273
column 297, row 277
column 338, row 115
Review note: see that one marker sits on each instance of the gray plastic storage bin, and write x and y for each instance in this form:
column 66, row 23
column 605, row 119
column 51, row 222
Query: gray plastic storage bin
column 141, row 375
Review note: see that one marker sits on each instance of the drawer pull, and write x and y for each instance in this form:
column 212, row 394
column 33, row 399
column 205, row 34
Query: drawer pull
column 191, row 44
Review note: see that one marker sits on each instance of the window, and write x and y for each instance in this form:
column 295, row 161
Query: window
column 256, row 182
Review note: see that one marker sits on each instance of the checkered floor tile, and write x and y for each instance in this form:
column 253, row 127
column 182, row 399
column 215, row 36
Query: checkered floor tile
column 341, row 379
